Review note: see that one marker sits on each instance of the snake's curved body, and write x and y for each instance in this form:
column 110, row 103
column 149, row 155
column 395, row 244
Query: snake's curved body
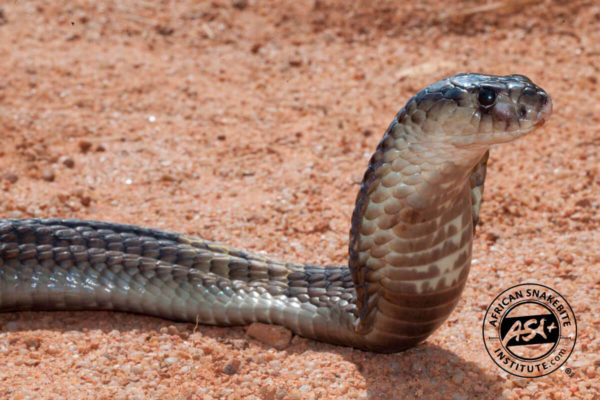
column 409, row 253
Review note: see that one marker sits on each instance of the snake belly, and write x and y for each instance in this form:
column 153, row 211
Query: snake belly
column 410, row 239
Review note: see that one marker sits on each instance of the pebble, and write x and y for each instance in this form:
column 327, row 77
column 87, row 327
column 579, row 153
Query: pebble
column 68, row 162
column 532, row 388
column 86, row 200
column 48, row 175
column 273, row 335
column 52, row 350
column 239, row 344
column 84, row 146
column 255, row 48
column 172, row 330
column 295, row 395
column 32, row 342
column 458, row 378
column 295, row 62
column 240, row 4
column 9, row 176
column 170, row 360
column 591, row 372
column 232, row 366
column 198, row 354
column 520, row 382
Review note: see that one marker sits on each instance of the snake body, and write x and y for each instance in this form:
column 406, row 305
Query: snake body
column 410, row 239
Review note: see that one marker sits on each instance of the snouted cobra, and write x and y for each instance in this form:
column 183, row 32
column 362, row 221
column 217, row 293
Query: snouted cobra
column 409, row 253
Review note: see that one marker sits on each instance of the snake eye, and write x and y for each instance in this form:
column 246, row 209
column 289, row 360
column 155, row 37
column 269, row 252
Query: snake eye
column 487, row 97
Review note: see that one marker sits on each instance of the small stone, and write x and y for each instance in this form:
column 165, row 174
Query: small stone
column 232, row 367
column 73, row 37
column 164, row 30
column 86, row 200
column 240, row 4
column 458, row 378
column 273, row 335
column 584, row 203
column 48, row 175
column 172, row 330
column 295, row 395
column 9, row 176
column 269, row 393
column 492, row 236
column 100, row 148
column 198, row 355
column 520, row 382
column 68, row 162
column 532, row 388
column 168, row 178
column 33, row 343
column 84, row 146
column 170, row 360
column 239, row 344
column 255, row 48
column 295, row 62
column 221, row 137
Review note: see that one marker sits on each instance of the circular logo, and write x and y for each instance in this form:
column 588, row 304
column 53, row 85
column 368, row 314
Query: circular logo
column 529, row 330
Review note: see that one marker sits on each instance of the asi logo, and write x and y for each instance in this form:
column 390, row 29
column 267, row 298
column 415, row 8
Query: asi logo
column 529, row 330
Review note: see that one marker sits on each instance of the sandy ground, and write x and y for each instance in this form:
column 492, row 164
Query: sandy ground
column 251, row 123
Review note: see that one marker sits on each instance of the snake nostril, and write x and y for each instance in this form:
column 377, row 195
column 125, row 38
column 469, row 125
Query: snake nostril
column 522, row 112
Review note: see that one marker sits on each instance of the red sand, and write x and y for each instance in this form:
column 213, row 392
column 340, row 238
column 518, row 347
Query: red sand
column 251, row 124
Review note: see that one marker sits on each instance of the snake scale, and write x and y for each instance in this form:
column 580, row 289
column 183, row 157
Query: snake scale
column 410, row 239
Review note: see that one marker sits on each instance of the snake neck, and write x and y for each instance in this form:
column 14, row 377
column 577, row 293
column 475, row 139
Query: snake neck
column 411, row 236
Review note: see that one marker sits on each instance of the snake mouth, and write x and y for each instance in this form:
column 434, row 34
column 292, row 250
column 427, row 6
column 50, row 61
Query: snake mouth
column 477, row 140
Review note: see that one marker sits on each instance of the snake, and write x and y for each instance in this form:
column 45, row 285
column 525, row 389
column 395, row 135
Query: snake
column 409, row 251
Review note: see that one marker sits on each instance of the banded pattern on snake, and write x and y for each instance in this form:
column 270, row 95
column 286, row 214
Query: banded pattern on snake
column 410, row 239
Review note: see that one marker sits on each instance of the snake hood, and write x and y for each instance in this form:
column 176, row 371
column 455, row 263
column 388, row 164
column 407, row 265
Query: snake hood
column 418, row 205
column 475, row 110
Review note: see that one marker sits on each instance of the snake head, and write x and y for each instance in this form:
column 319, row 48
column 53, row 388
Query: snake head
column 477, row 111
